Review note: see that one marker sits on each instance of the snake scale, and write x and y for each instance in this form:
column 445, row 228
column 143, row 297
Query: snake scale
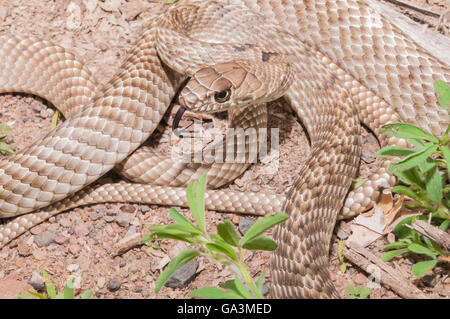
column 348, row 64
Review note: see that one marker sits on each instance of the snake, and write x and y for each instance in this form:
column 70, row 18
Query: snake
column 337, row 63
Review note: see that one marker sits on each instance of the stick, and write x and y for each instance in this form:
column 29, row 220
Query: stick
column 388, row 276
column 414, row 7
column 439, row 236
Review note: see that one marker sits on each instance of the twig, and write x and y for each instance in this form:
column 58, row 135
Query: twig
column 127, row 243
column 414, row 7
column 388, row 276
column 439, row 236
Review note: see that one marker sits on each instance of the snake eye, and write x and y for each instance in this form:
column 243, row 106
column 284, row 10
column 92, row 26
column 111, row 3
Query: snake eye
column 223, row 96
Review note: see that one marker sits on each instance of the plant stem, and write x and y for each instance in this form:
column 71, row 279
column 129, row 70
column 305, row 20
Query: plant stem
column 247, row 277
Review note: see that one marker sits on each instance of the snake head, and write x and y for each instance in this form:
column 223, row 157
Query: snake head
column 230, row 85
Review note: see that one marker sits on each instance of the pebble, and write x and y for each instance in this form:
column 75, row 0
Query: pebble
column 39, row 254
column 37, row 281
column 81, row 230
column 4, row 12
column 128, row 209
column 360, row 279
column 45, row 238
column 123, row 219
column 342, row 234
column 131, row 231
column 145, row 209
column 265, row 290
column 183, row 276
column 37, row 229
column 255, row 188
column 101, row 282
column 94, row 216
column 74, row 249
column 113, row 285
column 73, row 267
column 109, row 219
column 245, row 224
column 138, row 289
column 429, row 281
column 24, row 250
column 65, row 222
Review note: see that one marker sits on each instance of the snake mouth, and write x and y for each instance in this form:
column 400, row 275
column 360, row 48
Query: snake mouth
column 177, row 118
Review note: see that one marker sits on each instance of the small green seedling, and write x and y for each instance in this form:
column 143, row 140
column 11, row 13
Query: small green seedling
column 358, row 292
column 424, row 171
column 51, row 291
column 5, row 131
column 225, row 246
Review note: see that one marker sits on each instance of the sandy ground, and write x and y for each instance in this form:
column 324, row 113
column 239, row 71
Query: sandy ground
column 100, row 33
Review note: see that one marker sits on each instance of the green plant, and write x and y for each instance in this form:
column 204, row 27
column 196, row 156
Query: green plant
column 424, row 172
column 343, row 265
column 358, row 292
column 225, row 246
column 51, row 290
column 55, row 119
column 5, row 131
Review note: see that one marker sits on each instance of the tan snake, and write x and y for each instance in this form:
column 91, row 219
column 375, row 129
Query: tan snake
column 347, row 60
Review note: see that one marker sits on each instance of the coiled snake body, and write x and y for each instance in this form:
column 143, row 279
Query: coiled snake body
column 348, row 65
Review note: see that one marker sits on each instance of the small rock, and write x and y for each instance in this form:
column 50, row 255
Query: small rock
column 109, row 219
column 37, row 229
column 101, row 282
column 127, row 209
column 235, row 219
column 45, row 113
column 73, row 267
column 45, row 238
column 183, row 276
column 39, row 254
column 65, row 222
column 4, row 12
column 113, row 285
column 74, row 249
column 131, row 9
column 245, row 224
column 265, row 290
column 123, row 219
column 37, row 106
column 95, row 216
column 145, row 209
column 60, row 239
column 81, row 230
column 37, row 281
column 132, row 231
column 122, row 264
column 138, row 290
column 429, row 281
column 360, row 279
column 23, row 249
column 255, row 188
column 342, row 234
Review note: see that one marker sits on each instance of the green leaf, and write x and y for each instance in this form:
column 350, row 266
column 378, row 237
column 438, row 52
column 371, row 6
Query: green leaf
column 262, row 225
column 403, row 130
column 260, row 243
column 396, row 245
column 394, row 151
column 40, row 296
column 364, row 293
column 260, row 281
column 68, row 289
column 183, row 258
column 414, row 159
column 195, row 195
column 55, row 118
column 444, row 225
column 51, row 291
column 224, row 248
column 4, row 148
column 411, row 177
column 401, row 231
column 228, row 234
column 421, row 268
column 24, row 297
column 446, row 153
column 87, row 294
column 180, row 219
column 242, row 289
column 170, row 1
column 400, row 189
column 433, row 184
column 214, row 293
column 443, row 92
column 357, row 182
column 420, row 249
column 391, row 254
